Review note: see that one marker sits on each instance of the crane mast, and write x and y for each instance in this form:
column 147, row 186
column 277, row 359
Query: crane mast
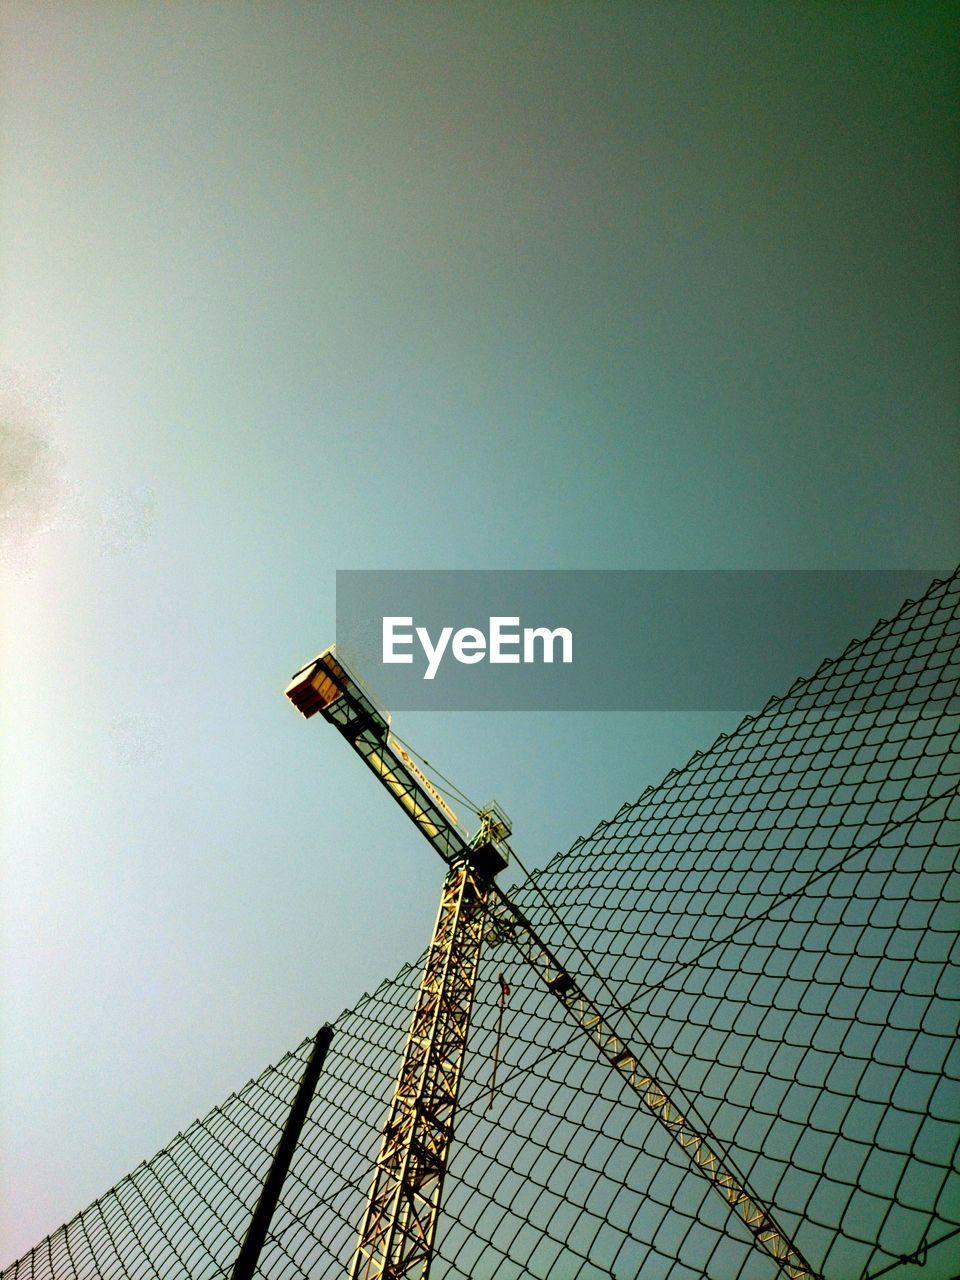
column 401, row 1219
column 396, row 1239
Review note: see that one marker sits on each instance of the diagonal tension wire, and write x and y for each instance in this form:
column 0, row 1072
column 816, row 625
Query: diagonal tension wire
column 798, row 891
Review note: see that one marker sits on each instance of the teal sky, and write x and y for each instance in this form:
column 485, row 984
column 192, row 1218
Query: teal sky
column 300, row 287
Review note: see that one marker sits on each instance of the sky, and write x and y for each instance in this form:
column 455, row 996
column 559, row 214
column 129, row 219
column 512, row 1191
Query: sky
column 295, row 288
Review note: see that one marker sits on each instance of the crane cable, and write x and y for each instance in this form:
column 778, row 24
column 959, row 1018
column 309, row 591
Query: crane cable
column 504, row 992
column 530, row 880
column 617, row 1005
column 450, row 790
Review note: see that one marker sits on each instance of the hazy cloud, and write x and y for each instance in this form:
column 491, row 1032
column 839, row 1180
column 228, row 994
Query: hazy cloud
column 35, row 494
column 31, row 469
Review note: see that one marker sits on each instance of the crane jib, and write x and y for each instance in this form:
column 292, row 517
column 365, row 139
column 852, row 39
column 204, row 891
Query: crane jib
column 325, row 686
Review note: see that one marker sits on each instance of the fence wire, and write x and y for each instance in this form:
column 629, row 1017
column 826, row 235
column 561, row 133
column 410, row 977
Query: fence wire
column 778, row 919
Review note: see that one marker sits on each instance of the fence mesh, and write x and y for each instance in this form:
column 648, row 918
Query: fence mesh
column 778, row 919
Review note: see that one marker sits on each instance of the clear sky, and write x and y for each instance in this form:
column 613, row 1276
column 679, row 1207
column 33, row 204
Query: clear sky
column 298, row 287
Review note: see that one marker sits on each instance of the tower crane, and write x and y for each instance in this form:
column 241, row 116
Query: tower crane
column 397, row 1235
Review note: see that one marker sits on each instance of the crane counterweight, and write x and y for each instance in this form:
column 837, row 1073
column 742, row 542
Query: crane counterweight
column 324, row 680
